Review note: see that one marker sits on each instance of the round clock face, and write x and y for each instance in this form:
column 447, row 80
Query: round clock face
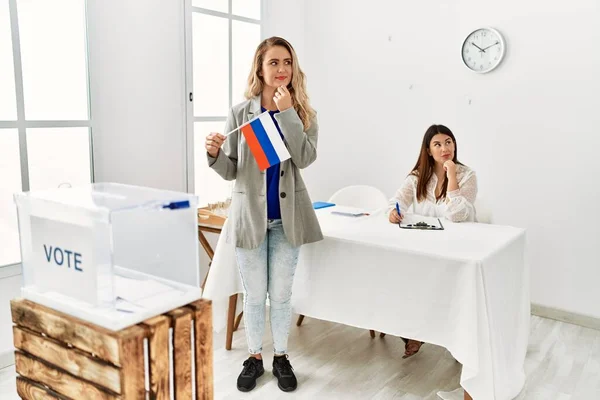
column 483, row 50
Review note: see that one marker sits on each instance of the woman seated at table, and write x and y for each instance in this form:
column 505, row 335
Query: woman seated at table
column 447, row 188
column 438, row 186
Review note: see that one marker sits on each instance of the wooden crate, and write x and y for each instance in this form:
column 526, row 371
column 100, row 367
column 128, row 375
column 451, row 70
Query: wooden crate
column 65, row 358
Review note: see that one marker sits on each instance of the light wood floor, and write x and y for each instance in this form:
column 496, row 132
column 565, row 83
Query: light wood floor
column 339, row 362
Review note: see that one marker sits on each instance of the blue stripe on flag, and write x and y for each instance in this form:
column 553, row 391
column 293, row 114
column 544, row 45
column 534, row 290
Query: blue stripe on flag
column 265, row 142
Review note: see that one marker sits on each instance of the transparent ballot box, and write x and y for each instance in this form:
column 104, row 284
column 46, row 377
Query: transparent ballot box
column 108, row 253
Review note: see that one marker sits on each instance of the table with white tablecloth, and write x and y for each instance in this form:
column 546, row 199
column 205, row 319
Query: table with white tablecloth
column 465, row 288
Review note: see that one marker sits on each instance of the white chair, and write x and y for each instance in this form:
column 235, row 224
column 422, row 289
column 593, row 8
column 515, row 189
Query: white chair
column 368, row 198
column 483, row 212
column 360, row 196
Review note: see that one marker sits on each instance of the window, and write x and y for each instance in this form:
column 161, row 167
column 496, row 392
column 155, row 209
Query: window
column 8, row 102
column 44, row 108
column 224, row 35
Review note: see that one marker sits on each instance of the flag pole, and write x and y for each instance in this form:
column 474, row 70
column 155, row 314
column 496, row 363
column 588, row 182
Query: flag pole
column 238, row 128
column 241, row 126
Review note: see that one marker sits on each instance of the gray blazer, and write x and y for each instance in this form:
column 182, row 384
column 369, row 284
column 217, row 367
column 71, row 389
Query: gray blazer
column 248, row 211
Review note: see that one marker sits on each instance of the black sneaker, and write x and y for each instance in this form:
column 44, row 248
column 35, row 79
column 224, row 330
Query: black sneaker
column 253, row 368
column 282, row 369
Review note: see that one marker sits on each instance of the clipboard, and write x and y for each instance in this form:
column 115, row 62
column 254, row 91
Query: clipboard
column 422, row 223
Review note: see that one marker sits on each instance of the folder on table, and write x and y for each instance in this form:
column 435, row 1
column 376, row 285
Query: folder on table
column 322, row 204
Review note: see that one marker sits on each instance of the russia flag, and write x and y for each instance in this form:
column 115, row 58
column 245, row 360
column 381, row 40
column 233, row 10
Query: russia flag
column 264, row 141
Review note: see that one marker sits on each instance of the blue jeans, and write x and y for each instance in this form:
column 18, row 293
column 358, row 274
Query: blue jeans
column 268, row 269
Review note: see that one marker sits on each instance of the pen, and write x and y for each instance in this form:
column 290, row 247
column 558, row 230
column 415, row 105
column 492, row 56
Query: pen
column 398, row 208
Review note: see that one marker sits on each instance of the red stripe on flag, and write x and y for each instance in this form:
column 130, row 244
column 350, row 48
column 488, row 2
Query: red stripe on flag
column 255, row 147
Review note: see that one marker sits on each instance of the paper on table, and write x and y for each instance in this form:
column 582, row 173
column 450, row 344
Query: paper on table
column 349, row 211
column 135, row 290
column 127, row 306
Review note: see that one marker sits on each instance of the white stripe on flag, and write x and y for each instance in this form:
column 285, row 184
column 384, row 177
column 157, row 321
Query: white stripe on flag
column 267, row 122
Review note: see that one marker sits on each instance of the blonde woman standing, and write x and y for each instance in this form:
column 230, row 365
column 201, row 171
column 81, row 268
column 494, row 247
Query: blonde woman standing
column 271, row 213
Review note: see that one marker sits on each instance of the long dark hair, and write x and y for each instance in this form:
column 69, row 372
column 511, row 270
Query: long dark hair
column 424, row 167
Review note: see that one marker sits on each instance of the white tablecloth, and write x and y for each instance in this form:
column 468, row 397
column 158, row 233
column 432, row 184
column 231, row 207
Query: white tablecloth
column 465, row 288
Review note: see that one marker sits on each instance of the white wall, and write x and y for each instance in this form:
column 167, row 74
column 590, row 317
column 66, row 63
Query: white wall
column 286, row 18
column 138, row 96
column 380, row 72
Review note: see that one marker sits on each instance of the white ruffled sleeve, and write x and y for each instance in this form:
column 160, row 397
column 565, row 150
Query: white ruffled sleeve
column 405, row 195
column 460, row 202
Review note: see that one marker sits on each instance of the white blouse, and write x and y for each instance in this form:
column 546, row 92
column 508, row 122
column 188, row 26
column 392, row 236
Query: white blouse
column 458, row 206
